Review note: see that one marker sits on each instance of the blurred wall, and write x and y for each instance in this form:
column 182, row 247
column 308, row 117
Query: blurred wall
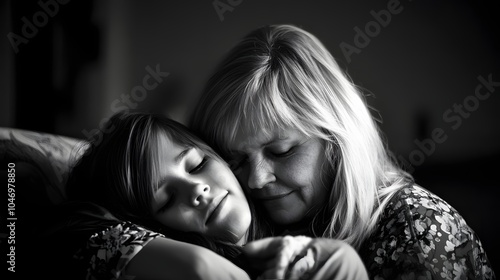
column 416, row 66
column 6, row 73
column 425, row 60
column 420, row 68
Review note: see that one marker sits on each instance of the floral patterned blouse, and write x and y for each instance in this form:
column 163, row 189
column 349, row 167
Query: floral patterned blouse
column 420, row 236
column 108, row 252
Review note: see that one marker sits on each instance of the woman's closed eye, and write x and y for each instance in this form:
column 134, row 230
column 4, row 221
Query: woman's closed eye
column 236, row 164
column 282, row 153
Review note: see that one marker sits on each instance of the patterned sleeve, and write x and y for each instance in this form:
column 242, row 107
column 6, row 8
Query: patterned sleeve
column 109, row 251
column 422, row 237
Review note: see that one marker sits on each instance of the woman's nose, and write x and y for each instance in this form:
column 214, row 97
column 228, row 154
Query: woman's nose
column 199, row 194
column 260, row 174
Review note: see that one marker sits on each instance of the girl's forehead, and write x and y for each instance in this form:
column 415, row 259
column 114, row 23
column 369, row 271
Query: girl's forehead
column 163, row 139
column 167, row 144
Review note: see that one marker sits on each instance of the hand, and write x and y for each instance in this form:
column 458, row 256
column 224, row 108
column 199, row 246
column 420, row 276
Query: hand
column 274, row 257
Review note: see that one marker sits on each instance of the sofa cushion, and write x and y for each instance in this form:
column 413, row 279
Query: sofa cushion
column 43, row 157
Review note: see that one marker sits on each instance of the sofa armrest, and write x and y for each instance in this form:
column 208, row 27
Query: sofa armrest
column 53, row 155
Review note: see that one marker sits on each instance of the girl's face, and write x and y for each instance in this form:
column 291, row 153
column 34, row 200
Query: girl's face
column 200, row 194
column 284, row 170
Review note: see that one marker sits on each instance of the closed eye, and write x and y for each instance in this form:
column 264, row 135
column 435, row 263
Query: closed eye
column 237, row 163
column 283, row 154
column 199, row 166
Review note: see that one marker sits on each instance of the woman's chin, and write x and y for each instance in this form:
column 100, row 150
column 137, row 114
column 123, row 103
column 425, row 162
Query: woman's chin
column 285, row 217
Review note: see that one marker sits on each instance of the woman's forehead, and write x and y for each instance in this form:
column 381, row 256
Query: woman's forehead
column 250, row 139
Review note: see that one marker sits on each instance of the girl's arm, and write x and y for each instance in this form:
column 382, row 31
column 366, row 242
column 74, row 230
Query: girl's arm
column 127, row 251
column 164, row 258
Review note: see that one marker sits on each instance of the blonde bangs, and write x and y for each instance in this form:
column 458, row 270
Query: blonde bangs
column 282, row 77
column 260, row 104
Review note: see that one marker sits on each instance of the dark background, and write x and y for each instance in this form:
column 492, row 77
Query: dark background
column 422, row 63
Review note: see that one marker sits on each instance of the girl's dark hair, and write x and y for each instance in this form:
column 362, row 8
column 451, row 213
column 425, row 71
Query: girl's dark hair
column 116, row 173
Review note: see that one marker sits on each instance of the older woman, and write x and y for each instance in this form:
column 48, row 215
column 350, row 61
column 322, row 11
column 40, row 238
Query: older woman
column 301, row 140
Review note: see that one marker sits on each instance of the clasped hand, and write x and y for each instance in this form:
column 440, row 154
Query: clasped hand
column 284, row 257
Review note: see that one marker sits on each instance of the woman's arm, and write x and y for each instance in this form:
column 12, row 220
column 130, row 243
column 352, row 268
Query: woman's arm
column 304, row 258
column 165, row 258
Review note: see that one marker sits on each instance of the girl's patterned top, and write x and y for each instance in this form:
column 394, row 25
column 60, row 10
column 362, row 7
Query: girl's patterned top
column 420, row 236
column 108, row 252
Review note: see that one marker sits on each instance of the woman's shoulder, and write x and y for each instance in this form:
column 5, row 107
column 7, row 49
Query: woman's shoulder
column 420, row 232
column 420, row 202
column 422, row 215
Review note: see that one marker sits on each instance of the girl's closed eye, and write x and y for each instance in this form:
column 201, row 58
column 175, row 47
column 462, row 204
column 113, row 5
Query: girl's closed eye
column 200, row 166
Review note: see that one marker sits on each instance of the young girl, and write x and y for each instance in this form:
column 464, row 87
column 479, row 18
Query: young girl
column 303, row 143
column 148, row 184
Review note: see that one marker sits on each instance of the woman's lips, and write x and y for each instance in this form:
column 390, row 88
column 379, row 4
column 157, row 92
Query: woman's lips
column 274, row 197
column 216, row 207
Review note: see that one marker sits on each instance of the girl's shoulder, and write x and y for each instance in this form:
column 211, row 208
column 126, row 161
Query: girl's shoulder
column 108, row 251
column 92, row 243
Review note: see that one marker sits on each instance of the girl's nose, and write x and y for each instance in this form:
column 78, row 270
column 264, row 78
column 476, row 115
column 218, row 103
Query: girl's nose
column 200, row 193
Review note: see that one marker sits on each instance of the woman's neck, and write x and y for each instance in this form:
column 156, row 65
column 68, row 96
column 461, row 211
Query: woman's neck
column 313, row 226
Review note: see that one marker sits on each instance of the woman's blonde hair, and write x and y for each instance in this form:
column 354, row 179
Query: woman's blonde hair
column 282, row 76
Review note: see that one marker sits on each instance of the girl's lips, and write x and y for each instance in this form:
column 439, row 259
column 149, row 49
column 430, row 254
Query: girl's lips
column 216, row 207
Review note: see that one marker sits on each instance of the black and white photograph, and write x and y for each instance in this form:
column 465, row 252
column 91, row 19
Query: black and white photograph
column 249, row 139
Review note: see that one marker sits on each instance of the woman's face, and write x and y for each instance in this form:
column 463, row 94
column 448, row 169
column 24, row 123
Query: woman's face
column 200, row 194
column 283, row 170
